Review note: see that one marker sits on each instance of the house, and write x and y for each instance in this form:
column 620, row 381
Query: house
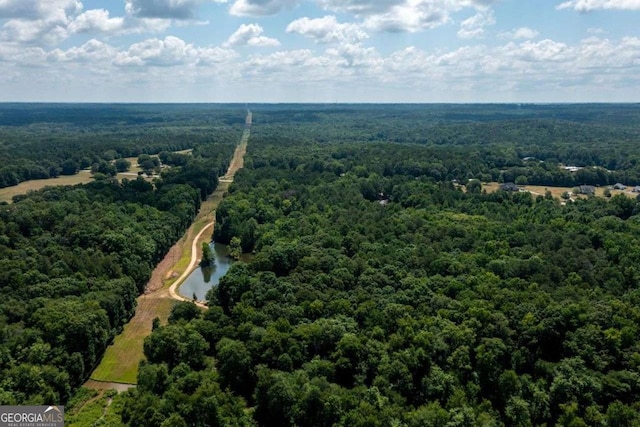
column 571, row 168
column 619, row 186
column 509, row 186
column 383, row 199
column 588, row 190
column 636, row 189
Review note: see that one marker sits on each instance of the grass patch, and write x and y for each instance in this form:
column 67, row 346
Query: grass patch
column 557, row 192
column 120, row 361
column 82, row 177
column 7, row 193
column 89, row 408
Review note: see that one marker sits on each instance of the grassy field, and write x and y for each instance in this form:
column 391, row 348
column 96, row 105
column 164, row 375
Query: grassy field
column 6, row 194
column 120, row 362
column 82, row 177
column 491, row 187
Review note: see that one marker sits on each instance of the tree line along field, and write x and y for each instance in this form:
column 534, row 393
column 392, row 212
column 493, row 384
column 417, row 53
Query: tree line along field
column 82, row 176
column 558, row 192
column 379, row 292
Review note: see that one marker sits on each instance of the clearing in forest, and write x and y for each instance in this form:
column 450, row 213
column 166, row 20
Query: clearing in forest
column 556, row 191
column 119, row 365
column 83, row 176
column 7, row 193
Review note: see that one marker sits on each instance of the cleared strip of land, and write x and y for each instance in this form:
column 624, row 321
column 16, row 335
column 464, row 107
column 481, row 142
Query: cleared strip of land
column 119, row 364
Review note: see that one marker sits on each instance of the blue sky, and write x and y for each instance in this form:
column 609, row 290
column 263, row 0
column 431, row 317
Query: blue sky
column 320, row 50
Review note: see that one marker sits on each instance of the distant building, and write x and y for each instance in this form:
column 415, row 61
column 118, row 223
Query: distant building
column 619, row 186
column 588, row 190
column 509, row 186
column 636, row 189
column 571, row 168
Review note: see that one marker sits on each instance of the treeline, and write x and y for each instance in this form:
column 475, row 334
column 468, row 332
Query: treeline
column 391, row 298
column 600, row 138
column 74, row 259
column 447, row 163
column 45, row 141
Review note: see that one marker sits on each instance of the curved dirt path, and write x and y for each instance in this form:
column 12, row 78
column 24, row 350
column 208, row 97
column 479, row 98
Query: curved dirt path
column 173, row 289
column 119, row 365
column 237, row 162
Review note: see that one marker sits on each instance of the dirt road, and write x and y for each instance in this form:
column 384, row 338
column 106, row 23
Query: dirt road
column 173, row 290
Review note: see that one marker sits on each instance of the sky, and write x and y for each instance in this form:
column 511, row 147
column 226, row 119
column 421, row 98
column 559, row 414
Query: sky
column 323, row 51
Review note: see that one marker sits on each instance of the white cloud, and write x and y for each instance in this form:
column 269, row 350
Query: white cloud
column 543, row 51
column 48, row 22
column 344, row 64
column 99, row 21
column 172, row 52
column 23, row 56
column 590, row 5
column 361, row 7
column 250, row 35
column 39, row 9
column 167, row 52
column 521, row 33
column 403, row 15
column 96, row 20
column 36, row 21
column 522, row 67
column 281, row 59
column 92, row 51
column 215, row 55
column 146, row 25
column 356, row 55
column 165, row 9
column 260, row 7
column 38, row 31
column 474, row 27
column 411, row 17
column 327, row 30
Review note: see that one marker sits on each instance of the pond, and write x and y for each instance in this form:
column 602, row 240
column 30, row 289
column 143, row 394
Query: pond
column 204, row 278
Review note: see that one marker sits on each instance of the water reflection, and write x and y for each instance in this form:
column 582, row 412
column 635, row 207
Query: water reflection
column 207, row 272
column 204, row 278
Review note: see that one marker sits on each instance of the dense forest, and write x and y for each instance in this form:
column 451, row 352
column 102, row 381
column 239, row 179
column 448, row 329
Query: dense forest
column 486, row 142
column 384, row 288
column 381, row 294
column 44, row 141
column 73, row 259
